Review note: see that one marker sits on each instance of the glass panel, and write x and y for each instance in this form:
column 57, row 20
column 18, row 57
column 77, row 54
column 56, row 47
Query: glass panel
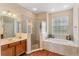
column 35, row 36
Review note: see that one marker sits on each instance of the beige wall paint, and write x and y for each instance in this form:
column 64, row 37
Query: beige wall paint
column 41, row 16
column 68, row 13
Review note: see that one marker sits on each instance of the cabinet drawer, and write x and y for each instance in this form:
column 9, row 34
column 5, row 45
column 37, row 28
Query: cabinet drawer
column 18, row 43
column 12, row 44
column 23, row 42
column 3, row 47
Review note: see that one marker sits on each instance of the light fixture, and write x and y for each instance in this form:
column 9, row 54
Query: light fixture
column 9, row 14
column 53, row 9
column 66, row 6
column 4, row 12
column 14, row 15
column 34, row 9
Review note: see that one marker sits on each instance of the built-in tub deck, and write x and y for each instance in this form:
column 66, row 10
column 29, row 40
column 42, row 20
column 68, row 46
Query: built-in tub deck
column 61, row 46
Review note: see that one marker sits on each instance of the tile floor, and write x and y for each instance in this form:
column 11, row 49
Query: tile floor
column 43, row 53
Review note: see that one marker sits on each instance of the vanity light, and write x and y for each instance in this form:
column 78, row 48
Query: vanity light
column 66, row 6
column 53, row 9
column 34, row 9
column 9, row 14
column 14, row 15
column 4, row 12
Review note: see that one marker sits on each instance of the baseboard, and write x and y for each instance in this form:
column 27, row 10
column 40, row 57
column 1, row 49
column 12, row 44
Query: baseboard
column 34, row 50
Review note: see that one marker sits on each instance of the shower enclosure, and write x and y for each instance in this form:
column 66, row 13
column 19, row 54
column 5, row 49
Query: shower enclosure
column 32, row 28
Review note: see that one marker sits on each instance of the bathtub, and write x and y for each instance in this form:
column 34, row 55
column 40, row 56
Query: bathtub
column 61, row 41
column 61, row 46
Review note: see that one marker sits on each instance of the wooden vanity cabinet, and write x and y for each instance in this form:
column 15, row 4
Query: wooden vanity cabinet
column 14, row 49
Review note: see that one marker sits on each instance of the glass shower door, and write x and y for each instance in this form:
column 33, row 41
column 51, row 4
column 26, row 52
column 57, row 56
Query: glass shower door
column 35, row 35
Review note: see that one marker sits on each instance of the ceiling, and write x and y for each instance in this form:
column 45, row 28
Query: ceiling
column 46, row 7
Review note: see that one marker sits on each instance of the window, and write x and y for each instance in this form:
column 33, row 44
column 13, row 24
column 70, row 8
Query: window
column 60, row 25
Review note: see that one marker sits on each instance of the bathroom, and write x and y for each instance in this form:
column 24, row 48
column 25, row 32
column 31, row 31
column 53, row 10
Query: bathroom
column 54, row 31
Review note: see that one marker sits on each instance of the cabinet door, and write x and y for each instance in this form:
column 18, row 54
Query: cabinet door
column 20, row 48
column 8, row 52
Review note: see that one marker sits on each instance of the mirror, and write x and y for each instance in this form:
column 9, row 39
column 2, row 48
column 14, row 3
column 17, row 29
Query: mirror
column 9, row 26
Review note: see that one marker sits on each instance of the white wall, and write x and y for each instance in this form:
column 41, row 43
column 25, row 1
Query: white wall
column 76, row 23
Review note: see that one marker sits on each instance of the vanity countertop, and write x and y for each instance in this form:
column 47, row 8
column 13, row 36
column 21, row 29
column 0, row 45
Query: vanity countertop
column 13, row 39
column 10, row 40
